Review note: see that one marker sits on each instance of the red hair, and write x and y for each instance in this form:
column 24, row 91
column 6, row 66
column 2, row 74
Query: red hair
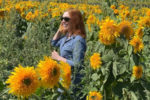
column 77, row 24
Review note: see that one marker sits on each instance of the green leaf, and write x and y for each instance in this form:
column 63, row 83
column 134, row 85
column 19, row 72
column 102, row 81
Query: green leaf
column 106, row 78
column 4, row 91
column 2, row 86
column 126, row 58
column 145, row 38
column 97, row 47
column 35, row 96
column 147, row 94
column 39, row 91
column 122, row 52
column 104, row 71
column 129, row 50
column 126, row 43
column 132, row 63
column 115, row 69
column 102, row 87
column 133, row 96
column 145, row 84
column 118, row 88
column 122, row 69
column 102, row 49
column 95, row 76
column 136, row 59
column 98, row 83
column 132, row 79
column 108, row 57
column 28, row 30
column 93, row 89
column 108, row 64
column 55, row 96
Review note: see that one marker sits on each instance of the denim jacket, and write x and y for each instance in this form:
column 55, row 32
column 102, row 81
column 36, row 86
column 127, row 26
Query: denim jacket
column 73, row 49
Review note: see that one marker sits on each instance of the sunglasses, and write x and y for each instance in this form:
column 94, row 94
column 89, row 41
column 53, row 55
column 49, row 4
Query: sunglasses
column 65, row 18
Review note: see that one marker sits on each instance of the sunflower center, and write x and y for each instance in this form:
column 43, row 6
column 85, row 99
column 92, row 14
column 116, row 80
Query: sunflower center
column 27, row 81
column 138, row 72
column 93, row 97
column 54, row 73
column 2, row 13
column 125, row 29
column 146, row 22
column 137, row 44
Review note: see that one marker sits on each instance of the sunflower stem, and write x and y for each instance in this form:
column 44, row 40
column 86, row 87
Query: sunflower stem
column 25, row 98
column 65, row 91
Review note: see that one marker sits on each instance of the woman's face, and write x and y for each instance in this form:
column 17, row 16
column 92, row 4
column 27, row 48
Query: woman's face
column 65, row 20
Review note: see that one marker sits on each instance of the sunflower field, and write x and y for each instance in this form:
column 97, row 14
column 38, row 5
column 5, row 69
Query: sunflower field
column 117, row 59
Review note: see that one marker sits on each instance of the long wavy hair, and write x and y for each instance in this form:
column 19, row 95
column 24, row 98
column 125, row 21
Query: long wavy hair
column 77, row 24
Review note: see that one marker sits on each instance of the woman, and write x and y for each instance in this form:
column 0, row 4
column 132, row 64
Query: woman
column 72, row 44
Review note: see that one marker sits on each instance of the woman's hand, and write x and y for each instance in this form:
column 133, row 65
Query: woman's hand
column 57, row 57
column 57, row 35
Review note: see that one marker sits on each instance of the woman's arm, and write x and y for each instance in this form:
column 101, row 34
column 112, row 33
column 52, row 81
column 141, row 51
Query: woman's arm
column 57, row 35
column 57, row 39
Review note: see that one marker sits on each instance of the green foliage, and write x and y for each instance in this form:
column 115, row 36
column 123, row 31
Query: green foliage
column 114, row 78
column 26, row 42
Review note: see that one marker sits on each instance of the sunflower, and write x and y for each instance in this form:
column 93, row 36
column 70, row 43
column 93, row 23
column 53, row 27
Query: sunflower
column 2, row 13
column 113, row 7
column 148, row 13
column 137, row 43
column 126, row 29
column 98, row 22
column 49, row 72
column 65, row 74
column 122, row 6
column 109, row 31
column 95, row 61
column 23, row 81
column 18, row 8
column 0, row 2
column 126, row 13
column 91, row 19
column 116, row 11
column 135, row 18
column 94, row 96
column 29, row 16
column 133, row 12
column 137, row 71
column 144, row 21
column 139, row 32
